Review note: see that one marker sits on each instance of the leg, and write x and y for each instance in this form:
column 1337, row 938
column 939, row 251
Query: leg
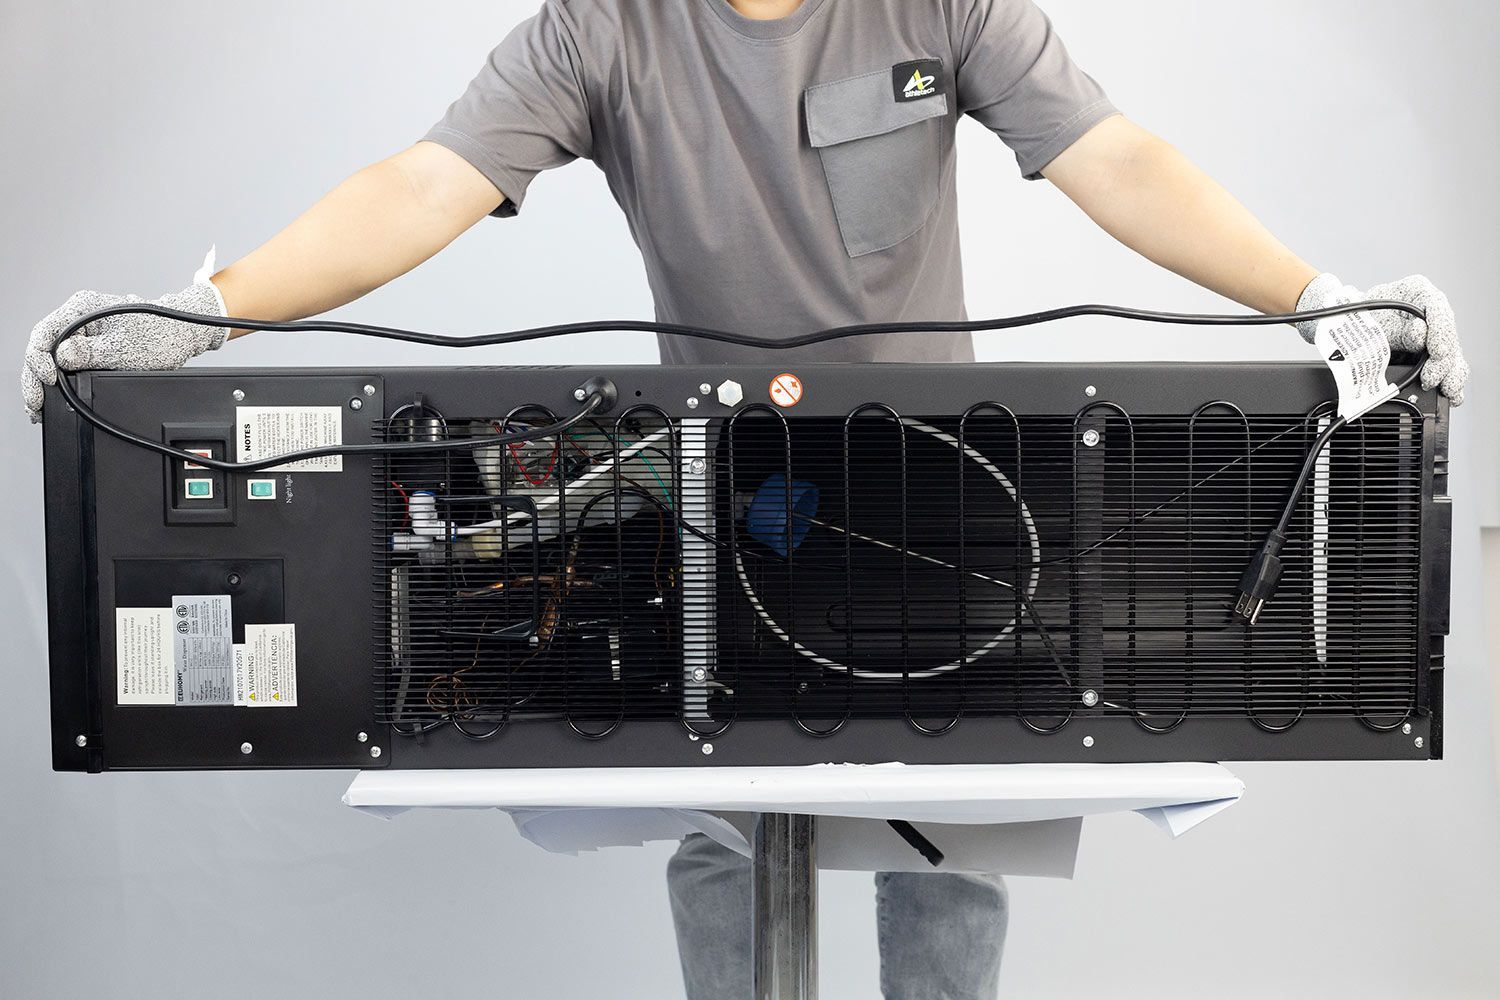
column 709, row 887
column 941, row 935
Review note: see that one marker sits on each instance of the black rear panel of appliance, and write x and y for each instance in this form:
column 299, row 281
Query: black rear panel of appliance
column 920, row 563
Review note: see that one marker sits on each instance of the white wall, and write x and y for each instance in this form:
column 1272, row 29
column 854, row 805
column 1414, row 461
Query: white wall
column 138, row 133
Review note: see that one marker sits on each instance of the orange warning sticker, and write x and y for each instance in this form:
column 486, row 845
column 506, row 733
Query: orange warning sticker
column 786, row 389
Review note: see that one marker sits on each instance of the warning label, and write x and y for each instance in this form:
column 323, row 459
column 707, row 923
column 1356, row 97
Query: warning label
column 143, row 654
column 1358, row 353
column 786, row 389
column 268, row 431
column 202, row 638
column 265, row 667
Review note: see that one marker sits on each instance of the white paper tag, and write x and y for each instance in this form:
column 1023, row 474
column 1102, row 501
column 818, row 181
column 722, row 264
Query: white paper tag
column 1358, row 353
column 241, row 674
column 268, row 431
column 202, row 636
column 144, row 674
column 270, row 666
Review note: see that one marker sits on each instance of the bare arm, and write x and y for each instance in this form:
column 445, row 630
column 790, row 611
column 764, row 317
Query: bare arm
column 375, row 226
column 1151, row 198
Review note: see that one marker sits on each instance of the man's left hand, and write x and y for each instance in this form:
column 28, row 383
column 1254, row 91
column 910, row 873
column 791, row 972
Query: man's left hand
column 1445, row 366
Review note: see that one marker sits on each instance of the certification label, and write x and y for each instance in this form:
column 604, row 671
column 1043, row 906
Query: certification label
column 202, row 641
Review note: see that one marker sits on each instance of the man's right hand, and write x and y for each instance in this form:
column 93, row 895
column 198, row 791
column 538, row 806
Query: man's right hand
column 132, row 341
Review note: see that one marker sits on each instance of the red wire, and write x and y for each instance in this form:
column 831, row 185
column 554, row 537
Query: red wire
column 515, row 453
column 406, row 498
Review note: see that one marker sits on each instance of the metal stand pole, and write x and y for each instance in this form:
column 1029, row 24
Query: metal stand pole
column 784, row 932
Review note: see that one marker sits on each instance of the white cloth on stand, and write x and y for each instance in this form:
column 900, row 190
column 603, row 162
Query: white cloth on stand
column 1021, row 819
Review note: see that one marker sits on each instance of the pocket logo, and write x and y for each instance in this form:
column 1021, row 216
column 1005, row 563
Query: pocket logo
column 912, row 81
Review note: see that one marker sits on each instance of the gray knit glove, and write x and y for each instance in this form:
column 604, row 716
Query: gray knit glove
column 133, row 341
column 1445, row 366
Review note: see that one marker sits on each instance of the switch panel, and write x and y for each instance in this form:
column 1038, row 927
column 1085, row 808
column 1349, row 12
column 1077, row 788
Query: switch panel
column 194, row 494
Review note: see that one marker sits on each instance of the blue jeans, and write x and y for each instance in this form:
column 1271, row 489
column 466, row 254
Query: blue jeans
column 941, row 934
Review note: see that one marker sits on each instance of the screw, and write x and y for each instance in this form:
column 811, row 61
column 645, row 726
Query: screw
column 246, row 748
column 1090, row 391
column 1088, row 741
column 692, row 402
column 233, row 579
column 374, row 751
column 708, row 748
column 239, row 394
column 705, row 388
column 1418, row 742
column 802, row 688
column 81, row 740
column 369, row 390
column 1406, row 728
column 1091, row 698
column 579, row 394
column 1412, row 398
column 698, row 466
column 699, row 674
column 694, row 737
column 364, row 737
column 1090, row 437
column 356, row 403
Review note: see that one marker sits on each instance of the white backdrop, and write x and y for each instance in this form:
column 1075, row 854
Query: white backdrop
column 139, row 133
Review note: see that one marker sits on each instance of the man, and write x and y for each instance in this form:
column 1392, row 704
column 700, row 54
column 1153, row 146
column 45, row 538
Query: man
column 785, row 165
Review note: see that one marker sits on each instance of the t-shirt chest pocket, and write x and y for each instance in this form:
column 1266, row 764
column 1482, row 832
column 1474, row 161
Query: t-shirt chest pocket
column 881, row 153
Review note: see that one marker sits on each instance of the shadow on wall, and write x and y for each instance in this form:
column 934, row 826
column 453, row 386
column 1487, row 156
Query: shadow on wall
column 1490, row 542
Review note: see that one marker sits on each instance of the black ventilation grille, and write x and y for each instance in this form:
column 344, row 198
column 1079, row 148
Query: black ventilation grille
column 827, row 570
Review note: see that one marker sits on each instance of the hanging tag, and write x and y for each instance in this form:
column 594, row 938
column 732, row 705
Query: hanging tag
column 1358, row 353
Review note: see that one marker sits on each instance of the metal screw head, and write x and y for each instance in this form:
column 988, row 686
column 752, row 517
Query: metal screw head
column 694, row 737
column 1417, row 742
column 81, row 740
column 1412, row 398
column 1090, row 437
column 246, row 748
column 692, row 402
column 708, row 748
column 233, row 579
column 579, row 394
column 1406, row 728
column 239, row 394
column 356, row 403
column 369, row 390
column 705, row 388
column 1088, row 741
column 363, row 737
column 697, row 466
column 699, row 674
column 374, row 751
column 1090, row 391
column 1091, row 698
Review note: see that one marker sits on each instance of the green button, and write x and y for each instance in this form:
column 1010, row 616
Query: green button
column 200, row 489
column 262, row 489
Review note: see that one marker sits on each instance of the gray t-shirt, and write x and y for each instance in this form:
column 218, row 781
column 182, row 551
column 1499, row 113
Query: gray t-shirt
column 779, row 176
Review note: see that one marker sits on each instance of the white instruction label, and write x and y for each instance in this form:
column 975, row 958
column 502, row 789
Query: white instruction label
column 269, row 666
column 268, row 431
column 144, row 674
column 1358, row 353
column 201, row 636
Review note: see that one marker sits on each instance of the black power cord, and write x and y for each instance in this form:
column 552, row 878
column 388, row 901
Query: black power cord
column 1257, row 585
